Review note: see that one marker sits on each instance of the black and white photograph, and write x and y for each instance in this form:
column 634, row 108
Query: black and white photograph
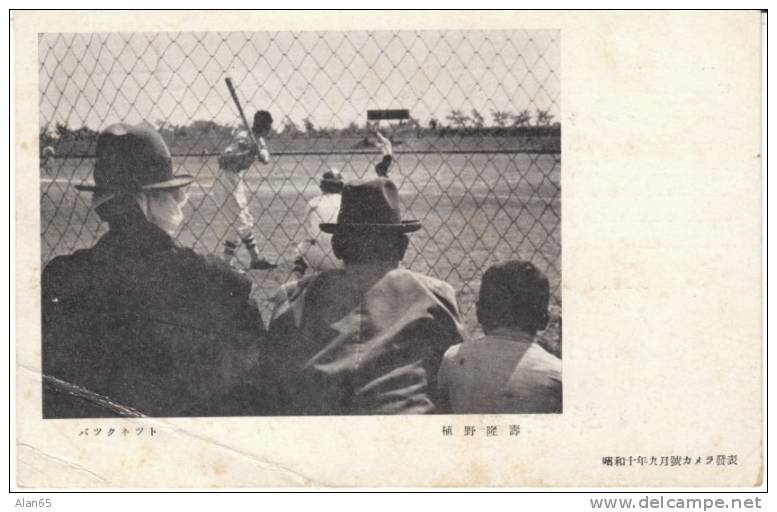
column 300, row 223
column 288, row 249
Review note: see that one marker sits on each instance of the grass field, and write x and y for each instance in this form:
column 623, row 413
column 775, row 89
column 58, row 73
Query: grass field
column 476, row 210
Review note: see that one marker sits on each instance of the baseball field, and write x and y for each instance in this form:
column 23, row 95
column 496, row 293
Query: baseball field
column 476, row 209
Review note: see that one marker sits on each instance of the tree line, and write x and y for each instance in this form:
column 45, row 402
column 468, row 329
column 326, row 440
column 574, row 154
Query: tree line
column 456, row 122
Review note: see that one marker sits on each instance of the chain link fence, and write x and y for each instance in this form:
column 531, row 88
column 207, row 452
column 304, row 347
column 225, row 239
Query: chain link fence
column 478, row 161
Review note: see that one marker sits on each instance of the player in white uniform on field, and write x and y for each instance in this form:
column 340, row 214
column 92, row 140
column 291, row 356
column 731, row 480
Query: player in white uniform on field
column 48, row 153
column 315, row 252
column 230, row 189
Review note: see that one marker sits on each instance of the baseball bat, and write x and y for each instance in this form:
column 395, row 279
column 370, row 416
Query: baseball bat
column 233, row 92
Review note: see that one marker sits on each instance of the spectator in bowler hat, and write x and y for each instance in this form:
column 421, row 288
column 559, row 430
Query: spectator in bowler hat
column 137, row 324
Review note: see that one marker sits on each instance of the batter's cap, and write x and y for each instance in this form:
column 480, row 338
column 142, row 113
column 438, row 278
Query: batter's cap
column 262, row 121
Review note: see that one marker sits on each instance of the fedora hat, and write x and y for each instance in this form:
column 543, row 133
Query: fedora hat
column 133, row 159
column 372, row 205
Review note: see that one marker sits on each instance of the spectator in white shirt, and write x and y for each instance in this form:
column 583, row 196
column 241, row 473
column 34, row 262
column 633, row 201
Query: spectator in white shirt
column 506, row 371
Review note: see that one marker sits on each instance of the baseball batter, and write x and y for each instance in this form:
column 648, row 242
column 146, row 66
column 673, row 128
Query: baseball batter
column 232, row 194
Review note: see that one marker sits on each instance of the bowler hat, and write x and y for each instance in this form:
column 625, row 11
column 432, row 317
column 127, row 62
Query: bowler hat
column 372, row 205
column 132, row 159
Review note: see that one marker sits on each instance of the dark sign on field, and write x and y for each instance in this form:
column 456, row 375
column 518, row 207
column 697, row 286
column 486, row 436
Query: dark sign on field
column 380, row 115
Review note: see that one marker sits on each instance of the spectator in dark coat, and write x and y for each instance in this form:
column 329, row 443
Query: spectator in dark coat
column 368, row 338
column 137, row 324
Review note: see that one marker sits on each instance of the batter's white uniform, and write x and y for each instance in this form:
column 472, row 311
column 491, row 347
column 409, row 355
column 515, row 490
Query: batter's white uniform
column 230, row 191
column 317, row 248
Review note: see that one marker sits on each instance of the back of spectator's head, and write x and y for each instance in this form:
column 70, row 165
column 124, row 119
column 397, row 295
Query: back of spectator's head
column 514, row 294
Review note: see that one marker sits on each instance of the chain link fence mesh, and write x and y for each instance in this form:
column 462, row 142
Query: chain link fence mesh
column 478, row 162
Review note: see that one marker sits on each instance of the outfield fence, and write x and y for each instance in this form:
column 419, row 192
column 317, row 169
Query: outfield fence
column 478, row 162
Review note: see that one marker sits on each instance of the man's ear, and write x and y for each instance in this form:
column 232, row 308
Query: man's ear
column 337, row 246
column 401, row 242
column 542, row 322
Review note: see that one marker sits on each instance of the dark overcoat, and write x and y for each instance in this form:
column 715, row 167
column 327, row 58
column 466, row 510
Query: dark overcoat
column 138, row 323
column 366, row 339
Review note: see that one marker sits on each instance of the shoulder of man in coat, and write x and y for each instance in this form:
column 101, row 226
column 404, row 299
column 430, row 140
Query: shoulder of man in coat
column 438, row 287
column 65, row 275
column 289, row 294
column 234, row 283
